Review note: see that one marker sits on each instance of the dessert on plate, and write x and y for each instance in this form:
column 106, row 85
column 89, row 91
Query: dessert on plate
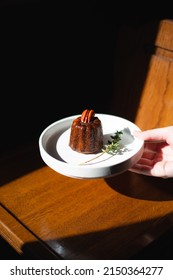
column 86, row 135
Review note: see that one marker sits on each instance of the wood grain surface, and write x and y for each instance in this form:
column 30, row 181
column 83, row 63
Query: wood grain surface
column 49, row 215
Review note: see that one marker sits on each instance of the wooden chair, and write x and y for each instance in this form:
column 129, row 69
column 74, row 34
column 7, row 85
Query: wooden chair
column 144, row 74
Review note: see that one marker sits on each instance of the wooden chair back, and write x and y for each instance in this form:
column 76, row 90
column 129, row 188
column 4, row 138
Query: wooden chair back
column 143, row 89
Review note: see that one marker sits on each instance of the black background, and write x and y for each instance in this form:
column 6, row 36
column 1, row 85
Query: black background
column 57, row 60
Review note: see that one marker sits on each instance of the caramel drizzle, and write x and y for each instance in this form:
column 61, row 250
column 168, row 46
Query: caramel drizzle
column 87, row 116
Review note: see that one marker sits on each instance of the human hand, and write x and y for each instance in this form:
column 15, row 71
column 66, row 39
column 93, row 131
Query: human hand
column 157, row 158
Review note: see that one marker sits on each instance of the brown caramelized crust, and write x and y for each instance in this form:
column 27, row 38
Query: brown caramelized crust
column 86, row 133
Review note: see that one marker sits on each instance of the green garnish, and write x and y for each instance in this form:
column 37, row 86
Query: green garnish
column 112, row 147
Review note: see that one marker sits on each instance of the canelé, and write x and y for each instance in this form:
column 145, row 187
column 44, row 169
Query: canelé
column 86, row 134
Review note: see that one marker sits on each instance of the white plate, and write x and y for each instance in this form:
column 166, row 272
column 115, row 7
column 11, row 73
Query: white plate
column 56, row 153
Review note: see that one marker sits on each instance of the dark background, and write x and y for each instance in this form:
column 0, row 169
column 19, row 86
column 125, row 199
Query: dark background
column 56, row 61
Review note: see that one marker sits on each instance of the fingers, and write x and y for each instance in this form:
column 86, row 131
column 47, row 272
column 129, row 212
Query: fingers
column 161, row 169
column 146, row 162
column 158, row 153
column 159, row 134
column 141, row 169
